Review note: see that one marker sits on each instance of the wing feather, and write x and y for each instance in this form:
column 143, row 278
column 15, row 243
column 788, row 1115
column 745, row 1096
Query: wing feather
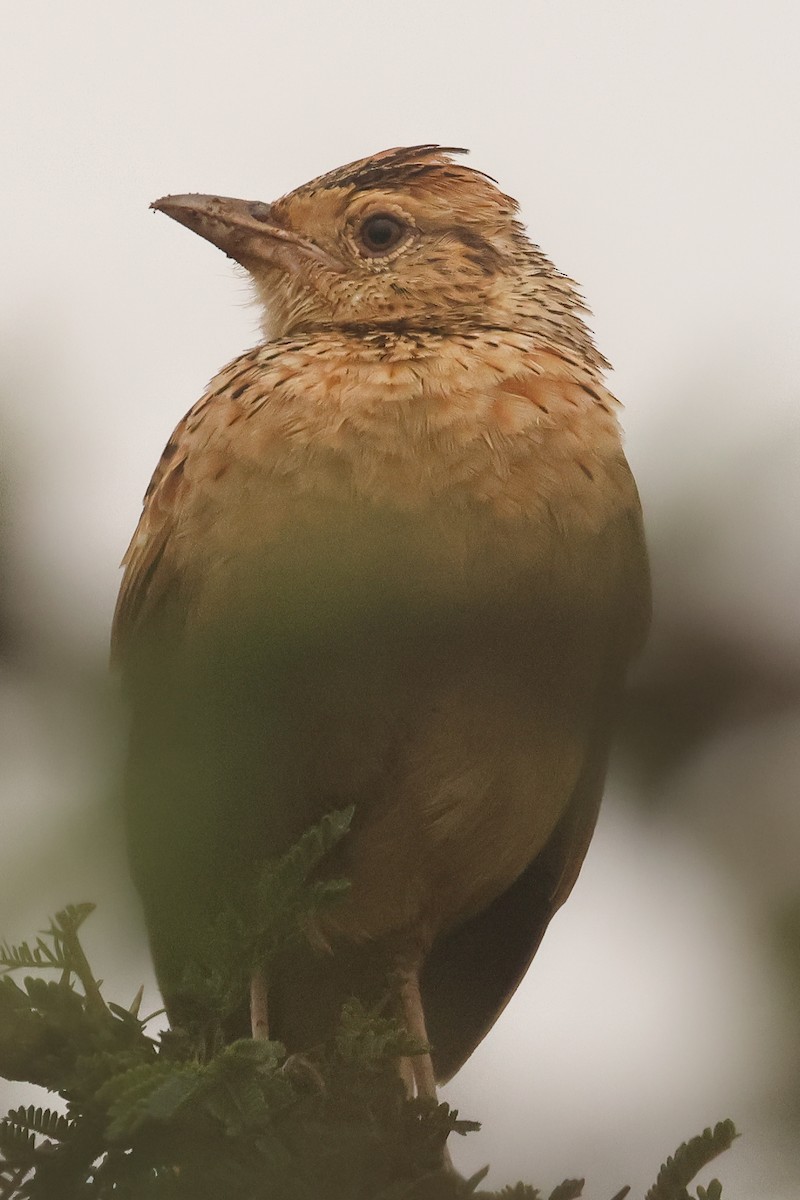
column 472, row 972
column 149, row 572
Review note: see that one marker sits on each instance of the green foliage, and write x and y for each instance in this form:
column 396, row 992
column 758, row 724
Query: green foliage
column 520, row 1191
column 174, row 1116
column 570, row 1189
column 364, row 1038
column 260, row 922
column 690, row 1158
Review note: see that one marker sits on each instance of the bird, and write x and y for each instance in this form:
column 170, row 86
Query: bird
column 393, row 558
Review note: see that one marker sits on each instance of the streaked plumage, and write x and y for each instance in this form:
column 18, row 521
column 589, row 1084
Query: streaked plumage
column 411, row 508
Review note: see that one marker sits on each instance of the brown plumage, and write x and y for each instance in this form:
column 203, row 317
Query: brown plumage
column 392, row 557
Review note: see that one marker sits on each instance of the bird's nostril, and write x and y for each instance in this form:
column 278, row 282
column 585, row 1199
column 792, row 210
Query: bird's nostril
column 260, row 211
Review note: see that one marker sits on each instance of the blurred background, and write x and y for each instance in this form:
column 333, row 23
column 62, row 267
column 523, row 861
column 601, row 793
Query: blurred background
column 653, row 148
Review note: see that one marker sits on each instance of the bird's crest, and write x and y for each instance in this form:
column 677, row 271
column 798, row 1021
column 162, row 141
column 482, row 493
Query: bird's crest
column 394, row 166
column 405, row 166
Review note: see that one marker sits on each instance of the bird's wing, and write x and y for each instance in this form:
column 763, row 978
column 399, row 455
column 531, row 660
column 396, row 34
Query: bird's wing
column 154, row 593
column 149, row 576
column 472, row 972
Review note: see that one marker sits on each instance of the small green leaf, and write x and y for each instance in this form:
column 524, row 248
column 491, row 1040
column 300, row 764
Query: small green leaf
column 570, row 1189
column 17, row 1144
column 44, row 1121
column 478, row 1177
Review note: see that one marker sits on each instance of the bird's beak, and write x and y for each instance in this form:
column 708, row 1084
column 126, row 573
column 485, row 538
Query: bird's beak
column 244, row 230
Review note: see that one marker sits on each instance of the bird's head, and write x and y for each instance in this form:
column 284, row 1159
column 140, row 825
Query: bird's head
column 406, row 238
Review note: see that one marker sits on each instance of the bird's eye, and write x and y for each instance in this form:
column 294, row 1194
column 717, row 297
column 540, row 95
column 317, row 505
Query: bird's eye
column 381, row 233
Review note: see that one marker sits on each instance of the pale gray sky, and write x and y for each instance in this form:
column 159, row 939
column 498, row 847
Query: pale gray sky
column 653, row 148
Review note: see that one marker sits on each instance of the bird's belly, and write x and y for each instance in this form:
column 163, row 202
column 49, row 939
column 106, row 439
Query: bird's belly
column 440, row 670
column 487, row 769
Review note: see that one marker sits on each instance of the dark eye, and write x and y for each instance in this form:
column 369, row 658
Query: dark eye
column 380, row 233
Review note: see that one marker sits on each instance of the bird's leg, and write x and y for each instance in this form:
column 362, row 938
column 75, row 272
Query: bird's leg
column 407, row 977
column 259, row 1022
column 416, row 1070
column 406, row 1070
